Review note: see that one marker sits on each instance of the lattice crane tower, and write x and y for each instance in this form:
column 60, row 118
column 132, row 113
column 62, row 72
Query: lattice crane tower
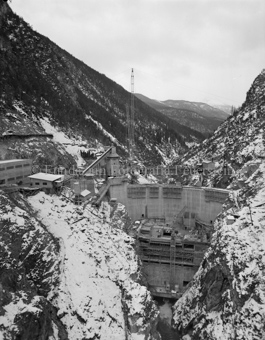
column 130, row 113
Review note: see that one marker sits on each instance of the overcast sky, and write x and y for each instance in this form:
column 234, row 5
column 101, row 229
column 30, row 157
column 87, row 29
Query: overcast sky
column 197, row 50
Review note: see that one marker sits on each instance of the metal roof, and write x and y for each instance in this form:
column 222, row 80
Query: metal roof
column 85, row 192
column 46, row 177
column 2, row 162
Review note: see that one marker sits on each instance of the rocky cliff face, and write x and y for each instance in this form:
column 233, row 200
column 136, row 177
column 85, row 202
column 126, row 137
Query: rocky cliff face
column 69, row 274
column 29, row 269
column 226, row 299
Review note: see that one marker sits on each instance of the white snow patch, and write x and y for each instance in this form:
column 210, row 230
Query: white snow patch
column 70, row 146
column 96, row 260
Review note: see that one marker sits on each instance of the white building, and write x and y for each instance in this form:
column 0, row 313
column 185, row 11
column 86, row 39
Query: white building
column 46, row 181
column 15, row 171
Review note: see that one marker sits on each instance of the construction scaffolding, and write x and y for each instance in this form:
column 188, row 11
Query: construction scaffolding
column 169, row 260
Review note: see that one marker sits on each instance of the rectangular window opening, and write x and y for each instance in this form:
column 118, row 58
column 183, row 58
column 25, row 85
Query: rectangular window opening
column 188, row 246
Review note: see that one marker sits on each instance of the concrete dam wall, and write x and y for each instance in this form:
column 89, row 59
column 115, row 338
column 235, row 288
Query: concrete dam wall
column 170, row 260
column 169, row 201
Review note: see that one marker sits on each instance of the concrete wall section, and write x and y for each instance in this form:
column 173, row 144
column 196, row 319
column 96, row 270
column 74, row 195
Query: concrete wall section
column 197, row 206
column 158, row 201
column 158, row 275
column 41, row 184
column 119, row 191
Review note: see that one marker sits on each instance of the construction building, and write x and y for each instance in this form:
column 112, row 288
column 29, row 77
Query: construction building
column 170, row 255
column 15, row 171
column 49, row 182
column 107, row 164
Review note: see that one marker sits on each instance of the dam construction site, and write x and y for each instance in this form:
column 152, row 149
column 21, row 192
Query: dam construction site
column 132, row 212
column 175, row 224
column 172, row 224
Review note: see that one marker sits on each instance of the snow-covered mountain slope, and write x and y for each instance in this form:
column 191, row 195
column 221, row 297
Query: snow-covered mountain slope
column 29, row 269
column 73, row 271
column 49, row 82
column 240, row 139
column 220, row 105
column 61, row 149
column 226, row 299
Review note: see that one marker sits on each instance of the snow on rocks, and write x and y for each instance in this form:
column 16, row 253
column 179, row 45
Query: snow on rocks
column 227, row 297
column 63, row 142
column 29, row 268
column 96, row 296
column 106, row 133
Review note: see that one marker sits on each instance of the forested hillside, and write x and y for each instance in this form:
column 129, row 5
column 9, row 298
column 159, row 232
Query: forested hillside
column 46, row 81
column 195, row 115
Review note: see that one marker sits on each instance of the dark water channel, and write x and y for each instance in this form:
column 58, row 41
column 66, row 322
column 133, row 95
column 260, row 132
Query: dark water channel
column 164, row 328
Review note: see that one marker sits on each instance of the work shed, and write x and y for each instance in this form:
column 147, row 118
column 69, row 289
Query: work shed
column 47, row 181
column 82, row 197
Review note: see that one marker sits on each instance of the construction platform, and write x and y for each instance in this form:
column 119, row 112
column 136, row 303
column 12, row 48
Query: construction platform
column 171, row 254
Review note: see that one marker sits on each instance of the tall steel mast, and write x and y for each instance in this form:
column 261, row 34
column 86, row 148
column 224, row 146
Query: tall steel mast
column 130, row 112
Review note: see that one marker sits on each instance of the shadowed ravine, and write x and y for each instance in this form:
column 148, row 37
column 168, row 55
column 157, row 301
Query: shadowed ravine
column 164, row 324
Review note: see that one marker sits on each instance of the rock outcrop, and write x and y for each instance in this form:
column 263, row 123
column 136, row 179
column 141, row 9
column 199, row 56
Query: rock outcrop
column 226, row 299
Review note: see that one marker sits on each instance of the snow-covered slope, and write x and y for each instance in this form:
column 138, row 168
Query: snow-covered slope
column 240, row 139
column 226, row 299
column 63, row 149
column 89, row 269
column 29, row 268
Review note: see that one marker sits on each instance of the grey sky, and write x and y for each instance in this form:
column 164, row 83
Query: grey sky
column 191, row 49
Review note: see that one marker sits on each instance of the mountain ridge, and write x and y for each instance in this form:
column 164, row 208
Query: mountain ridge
column 49, row 82
column 196, row 115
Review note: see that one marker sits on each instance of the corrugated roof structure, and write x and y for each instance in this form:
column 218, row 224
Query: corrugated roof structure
column 46, row 177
